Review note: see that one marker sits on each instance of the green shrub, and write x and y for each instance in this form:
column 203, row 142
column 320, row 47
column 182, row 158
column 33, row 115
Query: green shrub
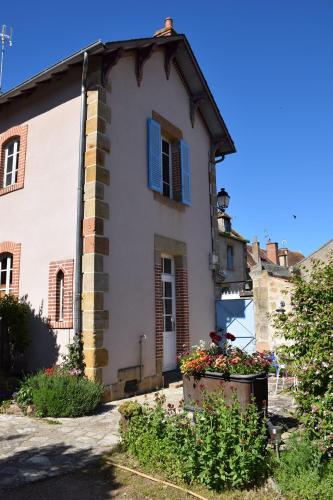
column 60, row 394
column 130, row 408
column 309, row 329
column 223, row 448
column 303, row 472
column 15, row 315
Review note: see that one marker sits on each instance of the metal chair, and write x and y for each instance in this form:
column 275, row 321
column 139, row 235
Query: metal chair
column 278, row 367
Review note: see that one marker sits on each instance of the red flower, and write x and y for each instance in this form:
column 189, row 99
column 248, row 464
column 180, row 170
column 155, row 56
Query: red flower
column 230, row 336
column 215, row 338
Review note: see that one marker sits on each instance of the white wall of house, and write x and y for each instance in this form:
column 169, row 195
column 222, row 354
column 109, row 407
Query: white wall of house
column 136, row 216
column 42, row 215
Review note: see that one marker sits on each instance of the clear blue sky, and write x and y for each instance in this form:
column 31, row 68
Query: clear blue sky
column 269, row 64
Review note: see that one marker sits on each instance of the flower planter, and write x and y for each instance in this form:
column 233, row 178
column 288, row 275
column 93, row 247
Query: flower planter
column 245, row 386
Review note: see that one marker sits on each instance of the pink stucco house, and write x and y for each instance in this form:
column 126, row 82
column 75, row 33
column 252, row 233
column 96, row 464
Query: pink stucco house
column 108, row 206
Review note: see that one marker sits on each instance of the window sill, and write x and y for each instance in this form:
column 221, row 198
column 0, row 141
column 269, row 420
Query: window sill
column 12, row 187
column 59, row 325
column 169, row 203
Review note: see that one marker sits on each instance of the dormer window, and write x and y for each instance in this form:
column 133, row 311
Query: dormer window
column 12, row 151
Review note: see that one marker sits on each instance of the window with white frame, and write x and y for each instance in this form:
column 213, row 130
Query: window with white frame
column 6, row 273
column 60, row 296
column 11, row 151
column 169, row 295
column 166, row 168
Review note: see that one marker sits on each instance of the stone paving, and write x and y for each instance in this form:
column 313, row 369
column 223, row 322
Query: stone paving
column 32, row 449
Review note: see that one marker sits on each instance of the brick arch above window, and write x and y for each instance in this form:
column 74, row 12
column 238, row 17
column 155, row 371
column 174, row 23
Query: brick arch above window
column 14, row 249
column 67, row 268
column 18, row 132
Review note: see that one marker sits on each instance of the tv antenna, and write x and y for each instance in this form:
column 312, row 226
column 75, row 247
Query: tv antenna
column 267, row 235
column 4, row 37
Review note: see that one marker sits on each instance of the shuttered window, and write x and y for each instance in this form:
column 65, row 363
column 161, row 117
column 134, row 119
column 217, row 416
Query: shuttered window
column 169, row 170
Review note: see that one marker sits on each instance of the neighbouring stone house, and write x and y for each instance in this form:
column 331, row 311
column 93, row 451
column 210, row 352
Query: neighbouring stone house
column 108, row 206
column 232, row 251
column 323, row 253
column 270, row 270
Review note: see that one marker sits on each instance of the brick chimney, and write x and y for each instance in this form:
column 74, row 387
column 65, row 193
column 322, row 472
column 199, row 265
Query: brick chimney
column 256, row 250
column 272, row 251
column 168, row 28
column 283, row 257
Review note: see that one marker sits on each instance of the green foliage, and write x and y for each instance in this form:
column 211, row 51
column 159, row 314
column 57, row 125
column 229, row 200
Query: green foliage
column 130, row 408
column 309, row 330
column 302, row 472
column 24, row 395
column 60, row 394
column 73, row 359
column 4, row 405
column 224, row 448
column 15, row 315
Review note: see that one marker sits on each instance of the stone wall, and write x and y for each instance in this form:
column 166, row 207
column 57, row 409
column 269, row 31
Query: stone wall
column 268, row 292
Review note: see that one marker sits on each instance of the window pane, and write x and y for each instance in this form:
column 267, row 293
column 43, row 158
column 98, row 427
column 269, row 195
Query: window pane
column 167, row 266
column 3, row 277
column 8, row 179
column 9, row 164
column 165, row 163
column 166, row 190
column 10, row 148
column 165, row 147
column 168, row 306
column 168, row 324
column 167, row 289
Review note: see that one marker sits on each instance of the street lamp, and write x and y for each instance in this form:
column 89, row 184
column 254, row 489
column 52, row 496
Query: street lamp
column 281, row 309
column 222, row 200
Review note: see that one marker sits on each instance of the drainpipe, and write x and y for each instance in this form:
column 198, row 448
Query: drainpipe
column 141, row 338
column 79, row 210
column 213, row 162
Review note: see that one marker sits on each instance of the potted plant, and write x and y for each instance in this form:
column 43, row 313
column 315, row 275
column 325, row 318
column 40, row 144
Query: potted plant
column 214, row 367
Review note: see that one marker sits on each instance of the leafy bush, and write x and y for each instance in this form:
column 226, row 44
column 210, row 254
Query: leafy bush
column 60, row 394
column 223, row 448
column 309, row 330
column 303, row 472
column 73, row 359
column 15, row 314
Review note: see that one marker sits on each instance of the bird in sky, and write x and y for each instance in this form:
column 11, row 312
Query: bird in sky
column 294, row 216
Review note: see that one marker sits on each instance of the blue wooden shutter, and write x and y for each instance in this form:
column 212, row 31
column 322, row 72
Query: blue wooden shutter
column 154, row 156
column 185, row 172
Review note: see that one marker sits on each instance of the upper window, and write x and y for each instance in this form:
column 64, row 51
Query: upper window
column 230, row 258
column 6, row 273
column 12, row 151
column 168, row 162
column 13, row 146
